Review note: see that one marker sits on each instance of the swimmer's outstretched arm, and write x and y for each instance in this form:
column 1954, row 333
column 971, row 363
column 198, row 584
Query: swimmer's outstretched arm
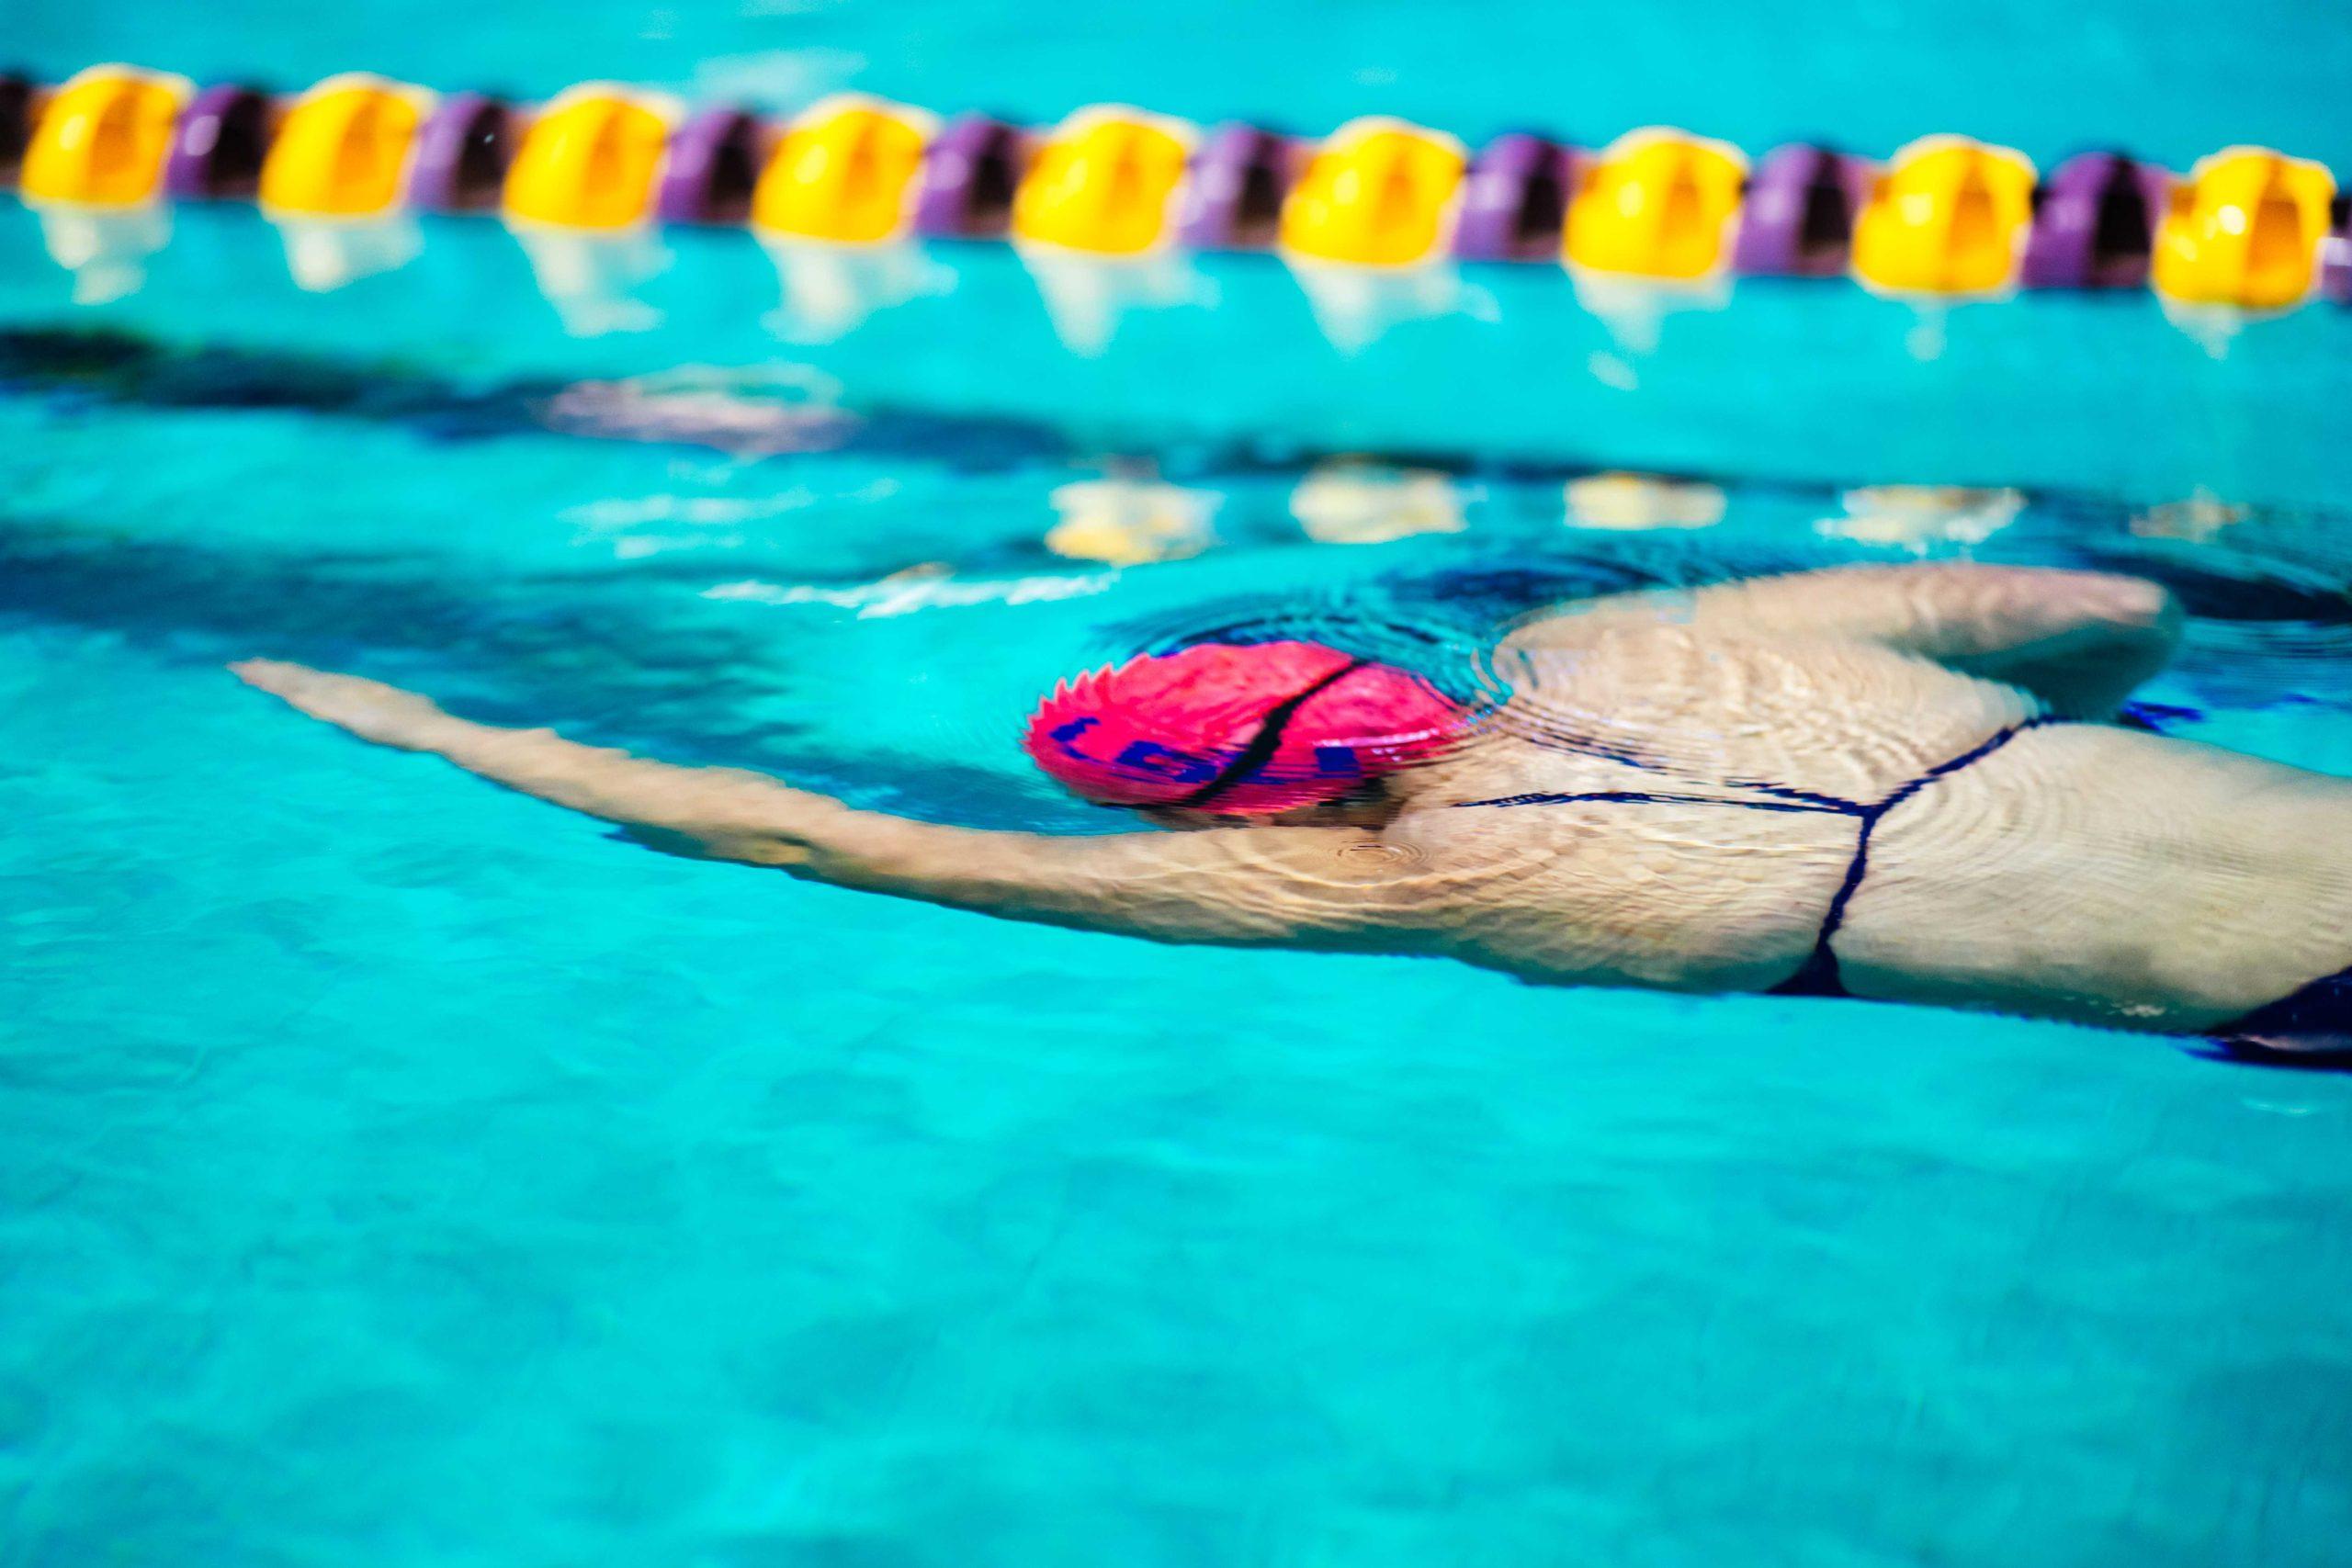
column 2079, row 640
column 1294, row 886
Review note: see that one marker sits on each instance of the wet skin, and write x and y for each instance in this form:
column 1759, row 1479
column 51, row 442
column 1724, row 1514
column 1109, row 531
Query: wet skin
column 2076, row 871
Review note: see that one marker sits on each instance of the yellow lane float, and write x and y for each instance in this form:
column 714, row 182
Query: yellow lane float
column 1948, row 216
column 1103, row 182
column 335, row 179
column 342, row 149
column 1379, row 193
column 1658, row 203
column 588, row 160
column 844, row 171
column 595, row 172
column 101, row 137
column 2244, row 229
column 1101, row 187
column 94, row 169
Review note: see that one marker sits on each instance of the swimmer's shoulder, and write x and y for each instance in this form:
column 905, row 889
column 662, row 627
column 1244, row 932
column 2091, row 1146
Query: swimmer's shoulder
column 1716, row 709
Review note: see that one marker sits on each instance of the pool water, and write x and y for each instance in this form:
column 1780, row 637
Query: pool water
column 394, row 1170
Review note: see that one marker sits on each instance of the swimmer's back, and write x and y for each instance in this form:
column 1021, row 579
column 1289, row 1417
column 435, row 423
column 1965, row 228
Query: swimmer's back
column 1669, row 704
column 2134, row 878
column 2076, row 869
column 1668, row 808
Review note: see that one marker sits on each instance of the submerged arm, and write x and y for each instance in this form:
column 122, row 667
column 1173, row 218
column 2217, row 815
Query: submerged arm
column 2079, row 640
column 1310, row 887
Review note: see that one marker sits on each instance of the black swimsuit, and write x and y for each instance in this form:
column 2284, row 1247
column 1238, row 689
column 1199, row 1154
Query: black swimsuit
column 2322, row 1008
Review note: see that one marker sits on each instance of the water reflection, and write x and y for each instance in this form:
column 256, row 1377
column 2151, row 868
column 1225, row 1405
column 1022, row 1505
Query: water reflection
column 1917, row 517
column 1356, row 306
column 2198, row 518
column 593, row 279
column 746, row 412
column 929, row 586
column 1636, row 502
column 1635, row 310
column 325, row 255
column 106, row 250
column 1086, row 297
column 829, row 290
column 1359, row 501
column 1130, row 521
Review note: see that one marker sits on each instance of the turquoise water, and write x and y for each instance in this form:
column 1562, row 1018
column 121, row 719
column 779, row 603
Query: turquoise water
column 397, row 1171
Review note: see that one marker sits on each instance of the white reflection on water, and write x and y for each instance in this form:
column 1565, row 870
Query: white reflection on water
column 1635, row 503
column 1921, row 515
column 1355, row 501
column 1129, row 521
column 927, row 587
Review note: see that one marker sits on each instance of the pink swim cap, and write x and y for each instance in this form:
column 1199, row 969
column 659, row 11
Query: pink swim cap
column 1245, row 732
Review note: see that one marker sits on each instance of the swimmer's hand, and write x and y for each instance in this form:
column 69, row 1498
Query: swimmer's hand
column 1289, row 886
column 374, row 712
column 716, row 805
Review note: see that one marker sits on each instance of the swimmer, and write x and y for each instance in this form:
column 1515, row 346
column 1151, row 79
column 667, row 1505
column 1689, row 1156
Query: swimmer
column 1896, row 783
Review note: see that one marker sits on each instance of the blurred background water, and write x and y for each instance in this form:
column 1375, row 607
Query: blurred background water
column 394, row 1170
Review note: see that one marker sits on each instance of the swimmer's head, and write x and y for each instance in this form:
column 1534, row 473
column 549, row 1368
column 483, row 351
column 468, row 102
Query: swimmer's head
column 1237, row 731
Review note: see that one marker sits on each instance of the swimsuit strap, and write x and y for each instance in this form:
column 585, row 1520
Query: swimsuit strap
column 1818, row 976
column 2319, row 1012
